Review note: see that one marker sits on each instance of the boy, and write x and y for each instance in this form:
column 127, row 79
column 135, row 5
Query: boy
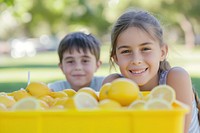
column 79, row 56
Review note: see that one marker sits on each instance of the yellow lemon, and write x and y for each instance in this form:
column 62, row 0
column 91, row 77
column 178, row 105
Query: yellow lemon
column 70, row 104
column 4, row 94
column 69, row 92
column 124, row 91
column 8, row 101
column 81, row 100
column 84, row 100
column 38, row 89
column 57, row 107
column 28, row 103
column 2, row 107
column 157, row 104
column 58, row 94
column 43, row 104
column 48, row 99
column 140, row 96
column 164, row 92
column 179, row 105
column 89, row 91
column 103, row 93
column 60, row 101
column 19, row 94
column 109, row 104
column 138, row 104
column 146, row 97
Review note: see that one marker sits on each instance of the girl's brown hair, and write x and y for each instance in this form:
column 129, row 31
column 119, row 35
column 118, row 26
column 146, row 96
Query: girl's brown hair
column 142, row 20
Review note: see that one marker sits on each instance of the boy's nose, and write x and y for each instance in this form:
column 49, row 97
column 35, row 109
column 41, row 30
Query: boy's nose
column 78, row 67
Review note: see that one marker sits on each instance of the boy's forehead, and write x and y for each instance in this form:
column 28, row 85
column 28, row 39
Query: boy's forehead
column 80, row 51
column 76, row 53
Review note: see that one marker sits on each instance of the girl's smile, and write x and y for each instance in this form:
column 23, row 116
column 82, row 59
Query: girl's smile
column 137, row 72
column 138, row 56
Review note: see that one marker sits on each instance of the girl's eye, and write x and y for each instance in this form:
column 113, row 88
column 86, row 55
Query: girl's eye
column 125, row 51
column 146, row 49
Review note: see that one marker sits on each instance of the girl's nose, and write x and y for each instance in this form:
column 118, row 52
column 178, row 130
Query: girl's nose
column 136, row 59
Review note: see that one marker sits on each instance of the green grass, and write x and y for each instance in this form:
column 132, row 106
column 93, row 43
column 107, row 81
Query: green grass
column 43, row 67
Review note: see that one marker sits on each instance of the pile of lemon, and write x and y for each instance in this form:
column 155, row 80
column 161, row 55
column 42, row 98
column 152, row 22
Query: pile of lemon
column 120, row 94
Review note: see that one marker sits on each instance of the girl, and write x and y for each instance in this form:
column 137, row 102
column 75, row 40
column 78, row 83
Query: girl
column 139, row 51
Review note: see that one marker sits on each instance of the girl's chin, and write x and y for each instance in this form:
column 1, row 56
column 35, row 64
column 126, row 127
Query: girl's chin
column 139, row 83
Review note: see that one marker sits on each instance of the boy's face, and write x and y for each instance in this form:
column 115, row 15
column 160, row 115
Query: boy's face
column 79, row 68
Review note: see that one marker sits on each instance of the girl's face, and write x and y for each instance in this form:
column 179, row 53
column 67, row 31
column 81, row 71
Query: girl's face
column 79, row 68
column 138, row 56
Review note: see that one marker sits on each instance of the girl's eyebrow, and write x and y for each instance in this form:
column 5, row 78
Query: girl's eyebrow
column 142, row 44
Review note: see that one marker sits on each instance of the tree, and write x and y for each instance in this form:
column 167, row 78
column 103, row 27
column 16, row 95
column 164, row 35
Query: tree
column 184, row 13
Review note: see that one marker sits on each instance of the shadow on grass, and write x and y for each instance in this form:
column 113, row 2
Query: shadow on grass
column 9, row 87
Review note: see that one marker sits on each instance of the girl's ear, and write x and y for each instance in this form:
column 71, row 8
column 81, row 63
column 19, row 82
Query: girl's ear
column 164, row 52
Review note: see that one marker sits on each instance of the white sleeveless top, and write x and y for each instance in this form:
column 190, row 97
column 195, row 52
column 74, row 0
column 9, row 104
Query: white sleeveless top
column 194, row 125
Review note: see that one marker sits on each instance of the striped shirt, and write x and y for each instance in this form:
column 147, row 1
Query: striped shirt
column 194, row 125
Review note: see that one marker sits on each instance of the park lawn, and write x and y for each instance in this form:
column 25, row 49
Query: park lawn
column 43, row 67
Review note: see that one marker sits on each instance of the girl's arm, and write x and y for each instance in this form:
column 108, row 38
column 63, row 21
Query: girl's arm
column 110, row 78
column 180, row 80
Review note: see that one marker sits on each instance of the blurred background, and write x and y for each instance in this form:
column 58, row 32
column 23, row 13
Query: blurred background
column 30, row 32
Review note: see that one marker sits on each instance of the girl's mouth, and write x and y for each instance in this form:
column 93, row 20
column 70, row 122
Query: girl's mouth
column 138, row 71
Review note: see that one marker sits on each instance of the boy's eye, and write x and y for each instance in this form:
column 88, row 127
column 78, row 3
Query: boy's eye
column 85, row 61
column 70, row 61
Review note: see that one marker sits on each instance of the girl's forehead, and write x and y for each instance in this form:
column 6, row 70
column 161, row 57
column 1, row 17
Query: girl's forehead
column 134, row 35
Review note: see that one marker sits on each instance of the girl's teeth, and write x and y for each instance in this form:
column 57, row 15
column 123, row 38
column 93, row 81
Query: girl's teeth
column 138, row 72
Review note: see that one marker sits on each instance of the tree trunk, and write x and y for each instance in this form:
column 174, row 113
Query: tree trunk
column 188, row 32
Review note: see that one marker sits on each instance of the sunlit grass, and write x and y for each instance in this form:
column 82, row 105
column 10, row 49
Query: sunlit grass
column 44, row 68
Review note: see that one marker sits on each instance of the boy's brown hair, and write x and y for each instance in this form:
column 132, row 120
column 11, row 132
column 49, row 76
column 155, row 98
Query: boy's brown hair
column 79, row 41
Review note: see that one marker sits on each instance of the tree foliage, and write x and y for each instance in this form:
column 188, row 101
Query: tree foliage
column 57, row 17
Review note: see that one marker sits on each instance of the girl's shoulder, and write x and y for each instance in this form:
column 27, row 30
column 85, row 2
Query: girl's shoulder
column 111, row 77
column 179, row 79
column 177, row 72
column 171, row 74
